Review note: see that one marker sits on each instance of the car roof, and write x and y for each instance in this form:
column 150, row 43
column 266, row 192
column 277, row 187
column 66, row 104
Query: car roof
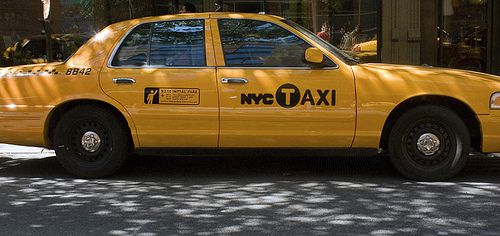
column 243, row 15
column 204, row 15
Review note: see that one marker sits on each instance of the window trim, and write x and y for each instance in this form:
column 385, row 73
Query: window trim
column 336, row 67
column 148, row 66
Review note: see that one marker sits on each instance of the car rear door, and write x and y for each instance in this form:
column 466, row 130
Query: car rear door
column 164, row 74
column 270, row 97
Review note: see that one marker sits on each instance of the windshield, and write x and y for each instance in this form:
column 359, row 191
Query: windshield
column 337, row 52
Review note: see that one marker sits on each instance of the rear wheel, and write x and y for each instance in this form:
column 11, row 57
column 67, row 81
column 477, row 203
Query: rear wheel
column 429, row 143
column 91, row 142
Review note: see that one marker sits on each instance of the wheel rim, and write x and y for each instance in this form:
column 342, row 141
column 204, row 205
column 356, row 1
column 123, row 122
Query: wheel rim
column 90, row 141
column 428, row 144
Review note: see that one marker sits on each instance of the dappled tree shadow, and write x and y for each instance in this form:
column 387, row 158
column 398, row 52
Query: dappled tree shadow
column 208, row 195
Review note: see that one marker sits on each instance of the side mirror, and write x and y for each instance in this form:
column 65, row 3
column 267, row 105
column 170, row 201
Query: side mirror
column 314, row 55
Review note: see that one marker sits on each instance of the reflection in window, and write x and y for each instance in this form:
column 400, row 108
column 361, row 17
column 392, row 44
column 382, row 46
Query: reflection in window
column 351, row 26
column 463, row 35
column 134, row 49
column 33, row 49
column 178, row 43
column 257, row 43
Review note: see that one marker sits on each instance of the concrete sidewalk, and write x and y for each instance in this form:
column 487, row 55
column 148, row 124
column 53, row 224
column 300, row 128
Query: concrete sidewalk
column 20, row 152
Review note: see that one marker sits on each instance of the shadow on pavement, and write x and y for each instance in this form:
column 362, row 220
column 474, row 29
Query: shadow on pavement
column 247, row 194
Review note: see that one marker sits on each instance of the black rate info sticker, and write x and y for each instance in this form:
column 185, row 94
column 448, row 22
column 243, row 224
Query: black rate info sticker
column 172, row 96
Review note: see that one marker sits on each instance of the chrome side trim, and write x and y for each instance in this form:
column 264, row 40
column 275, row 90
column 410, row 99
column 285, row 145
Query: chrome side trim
column 224, row 67
column 278, row 68
column 163, row 67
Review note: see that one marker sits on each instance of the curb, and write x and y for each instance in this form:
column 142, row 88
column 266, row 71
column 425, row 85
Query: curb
column 7, row 149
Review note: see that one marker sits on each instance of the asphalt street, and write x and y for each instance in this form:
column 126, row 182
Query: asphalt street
column 246, row 194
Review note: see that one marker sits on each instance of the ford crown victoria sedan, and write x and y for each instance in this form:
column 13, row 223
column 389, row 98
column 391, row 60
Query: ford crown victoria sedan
column 217, row 81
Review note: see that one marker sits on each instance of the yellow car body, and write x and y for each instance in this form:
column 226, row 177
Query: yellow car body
column 366, row 51
column 348, row 106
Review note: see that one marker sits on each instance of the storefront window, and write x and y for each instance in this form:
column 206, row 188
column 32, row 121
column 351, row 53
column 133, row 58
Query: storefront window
column 464, row 34
column 351, row 25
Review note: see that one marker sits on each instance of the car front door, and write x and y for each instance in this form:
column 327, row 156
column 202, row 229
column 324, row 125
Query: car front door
column 270, row 97
column 164, row 74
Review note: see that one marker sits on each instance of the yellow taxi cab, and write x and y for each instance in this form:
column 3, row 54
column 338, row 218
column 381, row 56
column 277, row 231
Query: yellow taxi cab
column 218, row 81
column 366, row 51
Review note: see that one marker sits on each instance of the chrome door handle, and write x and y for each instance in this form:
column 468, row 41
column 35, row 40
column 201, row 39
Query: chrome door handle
column 124, row 81
column 234, row 81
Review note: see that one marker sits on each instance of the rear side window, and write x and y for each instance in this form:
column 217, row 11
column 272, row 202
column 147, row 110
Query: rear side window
column 135, row 48
column 164, row 44
column 253, row 43
column 178, row 43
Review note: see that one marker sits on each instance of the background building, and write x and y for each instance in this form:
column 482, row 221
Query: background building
column 447, row 33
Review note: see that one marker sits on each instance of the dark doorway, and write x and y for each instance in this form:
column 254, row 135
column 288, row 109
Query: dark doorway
column 495, row 38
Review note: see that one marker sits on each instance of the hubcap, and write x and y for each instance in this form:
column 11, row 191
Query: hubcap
column 91, row 141
column 428, row 144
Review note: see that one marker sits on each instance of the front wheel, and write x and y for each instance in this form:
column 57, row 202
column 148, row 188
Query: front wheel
column 91, row 142
column 429, row 143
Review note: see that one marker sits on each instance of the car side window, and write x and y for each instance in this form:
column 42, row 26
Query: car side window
column 134, row 49
column 164, row 44
column 253, row 43
column 178, row 43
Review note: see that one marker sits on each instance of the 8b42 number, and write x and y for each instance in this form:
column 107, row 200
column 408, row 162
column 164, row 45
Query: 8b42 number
column 78, row 71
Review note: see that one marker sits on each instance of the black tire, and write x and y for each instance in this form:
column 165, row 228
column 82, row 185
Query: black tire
column 109, row 156
column 449, row 156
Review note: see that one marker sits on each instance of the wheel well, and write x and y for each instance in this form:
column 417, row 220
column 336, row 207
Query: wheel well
column 462, row 109
column 59, row 111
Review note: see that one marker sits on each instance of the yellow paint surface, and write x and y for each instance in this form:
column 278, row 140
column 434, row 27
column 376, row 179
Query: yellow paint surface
column 365, row 95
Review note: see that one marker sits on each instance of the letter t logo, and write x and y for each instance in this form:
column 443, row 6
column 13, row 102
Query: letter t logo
column 288, row 95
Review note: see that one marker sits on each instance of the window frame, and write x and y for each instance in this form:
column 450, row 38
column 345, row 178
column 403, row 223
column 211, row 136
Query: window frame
column 148, row 66
column 122, row 40
column 336, row 67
